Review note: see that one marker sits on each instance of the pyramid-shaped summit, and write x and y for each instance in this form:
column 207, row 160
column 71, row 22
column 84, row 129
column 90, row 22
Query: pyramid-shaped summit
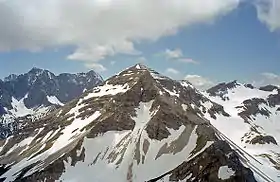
column 141, row 66
column 138, row 126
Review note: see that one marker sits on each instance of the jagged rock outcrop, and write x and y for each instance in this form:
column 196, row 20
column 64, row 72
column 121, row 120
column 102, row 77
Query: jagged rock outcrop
column 263, row 140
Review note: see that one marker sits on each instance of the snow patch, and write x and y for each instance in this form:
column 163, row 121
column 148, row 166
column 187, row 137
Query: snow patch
column 72, row 131
column 23, row 143
column 143, row 116
column 19, row 108
column 54, row 100
column 158, row 76
column 138, row 66
column 225, row 172
column 107, row 89
column 172, row 93
column 186, row 84
column 185, row 107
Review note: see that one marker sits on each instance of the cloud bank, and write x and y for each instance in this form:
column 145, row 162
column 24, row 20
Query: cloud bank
column 99, row 28
column 267, row 79
column 269, row 13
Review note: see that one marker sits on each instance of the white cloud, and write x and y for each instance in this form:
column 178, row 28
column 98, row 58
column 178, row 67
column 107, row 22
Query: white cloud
column 269, row 13
column 99, row 28
column 172, row 71
column 200, row 82
column 173, row 54
column 177, row 55
column 188, row 60
column 267, row 79
column 91, row 54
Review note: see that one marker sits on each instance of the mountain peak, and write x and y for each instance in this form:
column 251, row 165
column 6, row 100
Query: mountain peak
column 225, row 86
column 137, row 73
column 138, row 66
column 36, row 70
column 94, row 74
column 39, row 71
column 222, row 88
column 141, row 66
column 11, row 77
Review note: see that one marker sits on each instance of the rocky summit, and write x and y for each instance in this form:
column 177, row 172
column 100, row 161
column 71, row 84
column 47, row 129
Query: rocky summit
column 137, row 126
column 38, row 92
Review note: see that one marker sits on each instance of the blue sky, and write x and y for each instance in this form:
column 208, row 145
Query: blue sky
column 233, row 42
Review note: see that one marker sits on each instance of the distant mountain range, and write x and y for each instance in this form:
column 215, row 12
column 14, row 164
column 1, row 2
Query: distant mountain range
column 39, row 91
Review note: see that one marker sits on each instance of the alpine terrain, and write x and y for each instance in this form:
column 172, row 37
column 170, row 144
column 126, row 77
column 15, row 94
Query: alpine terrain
column 253, row 124
column 32, row 95
column 141, row 126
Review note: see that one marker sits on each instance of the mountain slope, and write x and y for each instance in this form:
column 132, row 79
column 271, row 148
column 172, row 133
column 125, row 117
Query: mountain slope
column 253, row 124
column 38, row 92
column 138, row 126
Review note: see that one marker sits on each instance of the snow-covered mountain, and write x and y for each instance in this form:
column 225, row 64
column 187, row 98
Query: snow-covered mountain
column 137, row 126
column 37, row 92
column 254, row 122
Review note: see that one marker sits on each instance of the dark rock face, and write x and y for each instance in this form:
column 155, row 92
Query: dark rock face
column 268, row 88
column 5, row 98
column 7, row 130
column 222, row 89
column 263, row 140
column 274, row 99
column 205, row 167
column 249, row 86
column 251, row 108
column 2, row 110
